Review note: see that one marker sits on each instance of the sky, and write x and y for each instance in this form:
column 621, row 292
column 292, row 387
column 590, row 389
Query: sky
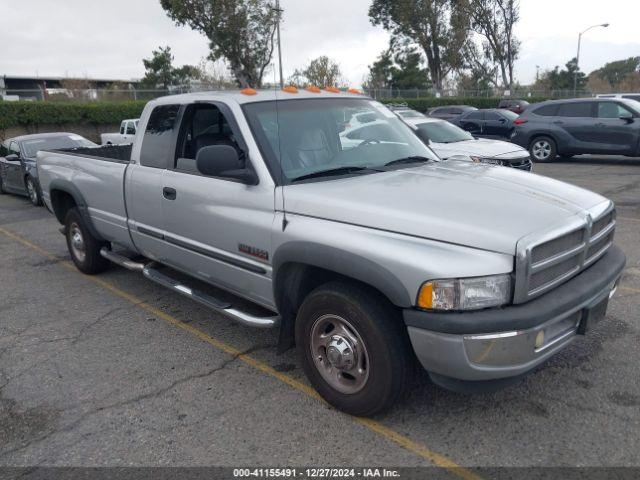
column 108, row 39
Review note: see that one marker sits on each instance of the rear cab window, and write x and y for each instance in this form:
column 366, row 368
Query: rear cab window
column 158, row 144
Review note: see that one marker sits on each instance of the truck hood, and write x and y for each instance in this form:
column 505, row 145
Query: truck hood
column 481, row 148
column 475, row 205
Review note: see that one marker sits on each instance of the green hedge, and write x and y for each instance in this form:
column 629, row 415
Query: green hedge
column 14, row 114
column 424, row 104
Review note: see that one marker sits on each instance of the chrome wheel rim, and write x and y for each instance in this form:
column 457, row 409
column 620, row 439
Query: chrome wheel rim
column 31, row 189
column 339, row 354
column 76, row 240
column 541, row 150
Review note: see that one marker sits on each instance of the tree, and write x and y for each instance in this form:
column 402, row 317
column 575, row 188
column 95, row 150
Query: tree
column 557, row 79
column 400, row 66
column 159, row 68
column 494, row 21
column 614, row 73
column 438, row 29
column 479, row 70
column 239, row 31
column 321, row 72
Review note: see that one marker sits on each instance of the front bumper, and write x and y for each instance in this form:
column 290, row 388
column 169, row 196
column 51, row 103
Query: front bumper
column 500, row 343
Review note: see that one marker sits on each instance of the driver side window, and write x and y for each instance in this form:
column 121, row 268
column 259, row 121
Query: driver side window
column 204, row 125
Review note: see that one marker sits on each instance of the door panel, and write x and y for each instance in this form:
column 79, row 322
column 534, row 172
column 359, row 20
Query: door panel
column 576, row 120
column 614, row 135
column 144, row 208
column 220, row 231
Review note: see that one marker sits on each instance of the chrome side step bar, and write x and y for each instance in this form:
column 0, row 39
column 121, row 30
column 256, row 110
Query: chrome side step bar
column 207, row 300
column 122, row 260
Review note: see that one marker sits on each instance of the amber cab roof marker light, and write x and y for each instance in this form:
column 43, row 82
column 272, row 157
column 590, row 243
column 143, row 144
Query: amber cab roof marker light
column 290, row 89
column 248, row 91
column 313, row 89
column 332, row 89
column 354, row 91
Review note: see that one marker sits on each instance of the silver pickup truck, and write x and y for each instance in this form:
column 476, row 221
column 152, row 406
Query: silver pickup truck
column 366, row 255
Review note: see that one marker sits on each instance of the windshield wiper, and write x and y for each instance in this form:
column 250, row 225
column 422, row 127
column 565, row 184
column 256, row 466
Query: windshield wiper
column 412, row 159
column 332, row 171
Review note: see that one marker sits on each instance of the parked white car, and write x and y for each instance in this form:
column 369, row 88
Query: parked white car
column 126, row 134
column 448, row 140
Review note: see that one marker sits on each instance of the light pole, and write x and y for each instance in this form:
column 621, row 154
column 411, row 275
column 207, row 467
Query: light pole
column 279, row 12
column 575, row 74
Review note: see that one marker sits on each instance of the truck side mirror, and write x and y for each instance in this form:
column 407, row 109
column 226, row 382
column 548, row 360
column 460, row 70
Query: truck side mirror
column 12, row 158
column 627, row 117
column 223, row 161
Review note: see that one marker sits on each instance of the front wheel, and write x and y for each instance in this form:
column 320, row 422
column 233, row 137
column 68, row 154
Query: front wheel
column 33, row 191
column 83, row 247
column 354, row 348
column 543, row 149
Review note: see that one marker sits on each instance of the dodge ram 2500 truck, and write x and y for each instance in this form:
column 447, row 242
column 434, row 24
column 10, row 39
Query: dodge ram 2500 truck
column 365, row 255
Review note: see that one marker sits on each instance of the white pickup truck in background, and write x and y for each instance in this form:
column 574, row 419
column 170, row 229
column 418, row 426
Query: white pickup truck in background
column 126, row 134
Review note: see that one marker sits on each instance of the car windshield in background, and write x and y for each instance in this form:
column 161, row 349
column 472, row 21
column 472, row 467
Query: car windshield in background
column 509, row 114
column 444, row 132
column 32, row 147
column 410, row 114
column 353, row 136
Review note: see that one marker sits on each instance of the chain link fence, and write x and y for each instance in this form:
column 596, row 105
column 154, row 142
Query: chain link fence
column 108, row 95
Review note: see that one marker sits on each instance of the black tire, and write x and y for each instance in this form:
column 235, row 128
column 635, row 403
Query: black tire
column 33, row 190
column 85, row 248
column 543, row 149
column 378, row 324
column 2, row 190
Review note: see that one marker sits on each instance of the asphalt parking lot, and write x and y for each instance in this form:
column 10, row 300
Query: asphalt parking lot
column 116, row 371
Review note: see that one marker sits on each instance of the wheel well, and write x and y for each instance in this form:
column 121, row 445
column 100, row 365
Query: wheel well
column 293, row 282
column 61, row 203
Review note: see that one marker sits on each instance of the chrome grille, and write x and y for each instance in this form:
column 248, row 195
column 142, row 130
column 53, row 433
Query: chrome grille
column 557, row 245
column 543, row 262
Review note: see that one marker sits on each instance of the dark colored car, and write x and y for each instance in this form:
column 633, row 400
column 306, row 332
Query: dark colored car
column 516, row 106
column 489, row 123
column 451, row 113
column 573, row 127
column 18, row 172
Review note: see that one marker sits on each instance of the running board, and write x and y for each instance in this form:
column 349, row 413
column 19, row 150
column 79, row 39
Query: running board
column 213, row 303
column 122, row 260
column 209, row 301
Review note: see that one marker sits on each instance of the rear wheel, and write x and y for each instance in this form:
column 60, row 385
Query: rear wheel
column 353, row 348
column 543, row 149
column 83, row 247
column 33, row 191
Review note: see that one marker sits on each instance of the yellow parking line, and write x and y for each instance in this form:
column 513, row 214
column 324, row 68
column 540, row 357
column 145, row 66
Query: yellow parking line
column 373, row 425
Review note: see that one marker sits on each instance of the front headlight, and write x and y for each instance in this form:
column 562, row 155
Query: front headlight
column 465, row 293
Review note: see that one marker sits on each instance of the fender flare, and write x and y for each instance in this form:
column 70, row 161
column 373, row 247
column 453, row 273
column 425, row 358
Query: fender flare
column 344, row 263
column 66, row 186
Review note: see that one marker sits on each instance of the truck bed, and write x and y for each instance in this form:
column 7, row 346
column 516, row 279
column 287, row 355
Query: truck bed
column 96, row 174
column 112, row 153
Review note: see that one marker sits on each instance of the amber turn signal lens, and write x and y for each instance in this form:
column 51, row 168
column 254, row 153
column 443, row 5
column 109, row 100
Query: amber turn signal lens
column 313, row 89
column 425, row 297
column 290, row 89
column 354, row 91
column 332, row 89
column 248, row 91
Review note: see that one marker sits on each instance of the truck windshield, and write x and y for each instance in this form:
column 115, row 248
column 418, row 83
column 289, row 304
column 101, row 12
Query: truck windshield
column 300, row 138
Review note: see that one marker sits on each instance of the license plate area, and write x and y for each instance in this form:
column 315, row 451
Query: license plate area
column 591, row 316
